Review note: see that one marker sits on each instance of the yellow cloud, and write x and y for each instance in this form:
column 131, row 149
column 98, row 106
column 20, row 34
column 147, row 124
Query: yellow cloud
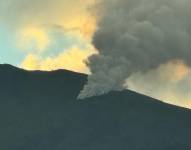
column 72, row 59
column 81, row 24
column 68, row 14
column 175, row 70
column 34, row 25
column 34, row 37
column 180, row 71
column 170, row 83
column 71, row 17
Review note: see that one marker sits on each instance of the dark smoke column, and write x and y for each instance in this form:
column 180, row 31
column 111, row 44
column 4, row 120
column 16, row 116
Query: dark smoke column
column 136, row 36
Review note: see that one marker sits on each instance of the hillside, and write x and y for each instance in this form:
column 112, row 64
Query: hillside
column 39, row 111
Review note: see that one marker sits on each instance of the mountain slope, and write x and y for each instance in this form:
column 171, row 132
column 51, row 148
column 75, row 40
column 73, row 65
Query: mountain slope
column 39, row 111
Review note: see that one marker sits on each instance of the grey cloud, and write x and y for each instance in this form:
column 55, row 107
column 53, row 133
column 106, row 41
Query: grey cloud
column 137, row 36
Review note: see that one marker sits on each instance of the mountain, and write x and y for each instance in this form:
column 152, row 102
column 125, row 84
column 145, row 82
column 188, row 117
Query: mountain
column 39, row 111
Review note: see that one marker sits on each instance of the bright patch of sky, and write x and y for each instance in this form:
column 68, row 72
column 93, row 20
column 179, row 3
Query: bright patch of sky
column 62, row 41
column 9, row 52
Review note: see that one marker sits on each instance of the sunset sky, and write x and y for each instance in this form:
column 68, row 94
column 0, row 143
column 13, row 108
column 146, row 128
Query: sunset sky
column 46, row 35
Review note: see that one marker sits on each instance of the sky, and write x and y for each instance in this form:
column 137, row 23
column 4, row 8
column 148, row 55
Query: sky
column 142, row 45
column 46, row 35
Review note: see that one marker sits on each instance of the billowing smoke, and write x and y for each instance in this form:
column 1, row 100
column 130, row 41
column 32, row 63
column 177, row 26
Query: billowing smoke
column 137, row 36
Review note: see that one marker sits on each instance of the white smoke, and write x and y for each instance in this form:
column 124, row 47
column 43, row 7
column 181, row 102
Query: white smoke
column 137, row 36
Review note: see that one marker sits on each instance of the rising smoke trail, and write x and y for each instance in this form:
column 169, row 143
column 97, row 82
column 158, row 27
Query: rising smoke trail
column 136, row 36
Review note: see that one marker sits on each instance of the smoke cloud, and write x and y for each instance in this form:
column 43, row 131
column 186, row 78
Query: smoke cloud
column 137, row 36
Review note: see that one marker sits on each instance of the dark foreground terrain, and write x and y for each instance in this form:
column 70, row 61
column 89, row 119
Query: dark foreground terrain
column 39, row 111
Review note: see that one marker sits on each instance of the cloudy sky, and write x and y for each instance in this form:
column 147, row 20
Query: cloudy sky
column 143, row 45
column 46, row 34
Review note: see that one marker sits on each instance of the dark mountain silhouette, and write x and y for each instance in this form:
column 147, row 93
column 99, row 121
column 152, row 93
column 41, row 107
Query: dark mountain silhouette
column 39, row 111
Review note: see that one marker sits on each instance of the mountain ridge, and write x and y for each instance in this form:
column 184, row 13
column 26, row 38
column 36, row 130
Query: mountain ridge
column 69, row 72
column 39, row 111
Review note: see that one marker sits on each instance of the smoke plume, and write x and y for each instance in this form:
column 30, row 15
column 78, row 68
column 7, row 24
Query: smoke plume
column 137, row 36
